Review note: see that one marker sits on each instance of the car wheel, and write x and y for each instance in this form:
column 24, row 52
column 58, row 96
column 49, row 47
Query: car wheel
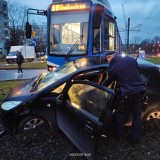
column 30, row 123
column 152, row 119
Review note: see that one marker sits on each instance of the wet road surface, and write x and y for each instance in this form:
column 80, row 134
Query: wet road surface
column 27, row 74
column 13, row 75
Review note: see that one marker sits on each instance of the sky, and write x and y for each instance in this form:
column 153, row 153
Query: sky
column 142, row 13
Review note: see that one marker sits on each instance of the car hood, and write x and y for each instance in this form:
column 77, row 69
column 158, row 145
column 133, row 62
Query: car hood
column 21, row 92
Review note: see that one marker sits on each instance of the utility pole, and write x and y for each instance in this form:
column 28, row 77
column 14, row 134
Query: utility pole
column 128, row 29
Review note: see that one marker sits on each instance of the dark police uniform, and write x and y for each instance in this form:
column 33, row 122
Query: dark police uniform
column 125, row 71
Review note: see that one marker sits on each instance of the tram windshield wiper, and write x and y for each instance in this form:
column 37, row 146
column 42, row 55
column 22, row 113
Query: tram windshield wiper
column 71, row 50
column 75, row 44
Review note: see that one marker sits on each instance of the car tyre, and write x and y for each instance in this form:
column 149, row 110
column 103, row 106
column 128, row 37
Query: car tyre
column 30, row 123
column 152, row 119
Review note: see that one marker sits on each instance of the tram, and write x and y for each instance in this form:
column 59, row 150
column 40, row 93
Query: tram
column 80, row 28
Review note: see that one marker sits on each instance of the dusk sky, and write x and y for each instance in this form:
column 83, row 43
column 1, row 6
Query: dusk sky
column 140, row 12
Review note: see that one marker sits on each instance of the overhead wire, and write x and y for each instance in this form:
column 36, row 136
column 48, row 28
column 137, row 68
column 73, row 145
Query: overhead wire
column 124, row 16
column 157, row 11
column 150, row 13
column 153, row 9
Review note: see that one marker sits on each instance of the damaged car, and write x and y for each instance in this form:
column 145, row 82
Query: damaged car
column 72, row 99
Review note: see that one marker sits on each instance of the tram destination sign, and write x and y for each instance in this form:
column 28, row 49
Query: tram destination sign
column 70, row 7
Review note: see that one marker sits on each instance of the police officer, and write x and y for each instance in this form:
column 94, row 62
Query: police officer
column 125, row 71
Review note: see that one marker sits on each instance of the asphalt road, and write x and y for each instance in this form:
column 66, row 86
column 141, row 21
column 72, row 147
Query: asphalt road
column 13, row 75
column 27, row 74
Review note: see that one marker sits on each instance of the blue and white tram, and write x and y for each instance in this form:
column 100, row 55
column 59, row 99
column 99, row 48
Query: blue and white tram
column 80, row 28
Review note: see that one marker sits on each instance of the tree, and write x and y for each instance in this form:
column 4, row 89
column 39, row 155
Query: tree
column 41, row 44
column 17, row 14
column 136, row 40
column 151, row 46
column 146, row 45
column 156, row 39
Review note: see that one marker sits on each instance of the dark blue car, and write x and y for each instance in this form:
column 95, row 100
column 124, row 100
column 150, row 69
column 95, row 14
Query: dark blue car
column 72, row 99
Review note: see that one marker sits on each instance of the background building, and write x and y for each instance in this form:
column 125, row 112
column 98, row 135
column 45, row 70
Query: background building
column 40, row 30
column 4, row 27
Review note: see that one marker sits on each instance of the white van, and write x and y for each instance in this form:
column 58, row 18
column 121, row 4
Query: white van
column 28, row 53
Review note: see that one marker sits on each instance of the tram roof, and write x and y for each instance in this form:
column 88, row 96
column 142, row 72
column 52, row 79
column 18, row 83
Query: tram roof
column 105, row 3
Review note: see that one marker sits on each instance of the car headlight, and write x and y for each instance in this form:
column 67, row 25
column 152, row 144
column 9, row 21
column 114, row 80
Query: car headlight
column 9, row 105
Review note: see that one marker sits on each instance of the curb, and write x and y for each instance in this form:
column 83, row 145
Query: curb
column 14, row 80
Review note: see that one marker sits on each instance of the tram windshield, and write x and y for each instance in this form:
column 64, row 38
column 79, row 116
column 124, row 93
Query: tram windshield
column 69, row 33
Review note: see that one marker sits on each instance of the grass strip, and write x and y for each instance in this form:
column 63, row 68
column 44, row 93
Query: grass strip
column 26, row 65
column 154, row 60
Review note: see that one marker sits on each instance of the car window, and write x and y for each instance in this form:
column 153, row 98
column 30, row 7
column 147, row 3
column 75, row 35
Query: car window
column 151, row 77
column 59, row 89
column 96, row 76
column 88, row 99
column 145, row 77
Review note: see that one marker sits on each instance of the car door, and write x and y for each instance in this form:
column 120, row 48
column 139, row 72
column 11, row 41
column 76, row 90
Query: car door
column 79, row 116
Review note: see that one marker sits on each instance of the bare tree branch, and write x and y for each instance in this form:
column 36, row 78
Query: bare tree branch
column 17, row 14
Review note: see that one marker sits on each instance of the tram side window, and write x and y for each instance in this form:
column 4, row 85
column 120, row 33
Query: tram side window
column 109, row 38
column 106, row 35
column 97, row 33
column 96, row 41
column 117, row 40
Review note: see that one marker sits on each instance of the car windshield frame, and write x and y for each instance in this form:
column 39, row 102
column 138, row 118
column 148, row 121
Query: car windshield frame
column 65, row 70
